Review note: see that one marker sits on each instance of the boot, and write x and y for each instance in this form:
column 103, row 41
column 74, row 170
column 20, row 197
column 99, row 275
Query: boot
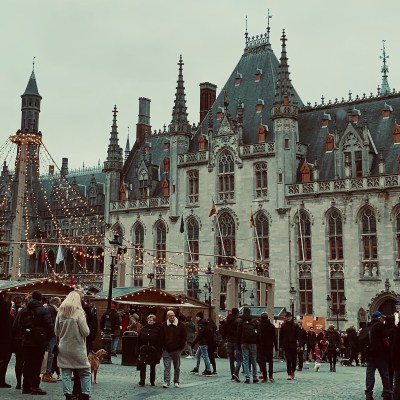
column 334, row 368
column 331, row 369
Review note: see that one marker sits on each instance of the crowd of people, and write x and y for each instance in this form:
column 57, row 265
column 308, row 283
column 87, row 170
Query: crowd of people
column 66, row 329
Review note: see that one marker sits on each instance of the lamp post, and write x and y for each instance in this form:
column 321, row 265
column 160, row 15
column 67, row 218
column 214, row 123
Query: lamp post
column 292, row 293
column 252, row 298
column 208, row 287
column 242, row 290
column 336, row 310
column 107, row 337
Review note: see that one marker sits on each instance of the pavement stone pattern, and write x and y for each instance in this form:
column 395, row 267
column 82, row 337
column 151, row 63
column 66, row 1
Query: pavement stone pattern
column 117, row 382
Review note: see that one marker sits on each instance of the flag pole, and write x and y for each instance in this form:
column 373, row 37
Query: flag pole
column 301, row 233
column 220, row 235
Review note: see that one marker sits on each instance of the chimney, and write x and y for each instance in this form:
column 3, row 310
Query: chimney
column 64, row 167
column 208, row 92
column 143, row 124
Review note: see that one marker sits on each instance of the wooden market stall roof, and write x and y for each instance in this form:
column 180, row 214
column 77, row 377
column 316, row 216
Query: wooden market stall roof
column 140, row 296
column 46, row 286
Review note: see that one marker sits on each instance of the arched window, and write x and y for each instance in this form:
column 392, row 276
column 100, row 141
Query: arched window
column 193, row 186
column 192, row 257
column 143, row 184
column 304, row 262
column 369, row 243
column 305, row 172
column 226, row 241
column 138, row 241
column 261, row 176
column 328, row 142
column 352, row 153
column 226, row 176
column 335, row 235
column 161, row 255
column 261, row 243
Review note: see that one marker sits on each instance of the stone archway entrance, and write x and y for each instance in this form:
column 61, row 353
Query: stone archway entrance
column 388, row 307
column 385, row 302
column 267, row 288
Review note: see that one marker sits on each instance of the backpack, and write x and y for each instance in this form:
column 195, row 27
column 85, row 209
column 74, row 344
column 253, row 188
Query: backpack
column 365, row 339
column 249, row 332
column 32, row 333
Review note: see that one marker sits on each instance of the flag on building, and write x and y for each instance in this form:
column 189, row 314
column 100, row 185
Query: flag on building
column 182, row 228
column 72, row 281
column 43, row 256
column 213, row 210
column 252, row 225
column 60, row 255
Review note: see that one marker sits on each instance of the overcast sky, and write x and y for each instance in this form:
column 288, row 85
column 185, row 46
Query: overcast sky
column 92, row 54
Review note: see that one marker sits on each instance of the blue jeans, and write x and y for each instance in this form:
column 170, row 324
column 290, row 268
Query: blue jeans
column 114, row 343
column 85, row 378
column 50, row 356
column 380, row 364
column 234, row 354
column 249, row 351
column 202, row 351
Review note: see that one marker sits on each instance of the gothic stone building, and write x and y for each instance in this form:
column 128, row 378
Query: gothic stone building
column 306, row 195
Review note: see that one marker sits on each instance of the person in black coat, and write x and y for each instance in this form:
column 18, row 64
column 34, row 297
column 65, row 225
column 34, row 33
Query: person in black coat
column 148, row 349
column 5, row 337
column 301, row 345
column 265, row 349
column 115, row 320
column 396, row 362
column 352, row 340
column 311, row 343
column 288, row 341
column 34, row 345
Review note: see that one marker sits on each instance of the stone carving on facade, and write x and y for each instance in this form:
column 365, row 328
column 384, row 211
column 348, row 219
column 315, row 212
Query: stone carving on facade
column 231, row 212
column 374, row 210
column 333, row 207
column 160, row 218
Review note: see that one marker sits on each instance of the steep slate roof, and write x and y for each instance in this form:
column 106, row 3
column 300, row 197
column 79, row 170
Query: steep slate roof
column 257, row 55
column 312, row 133
column 31, row 88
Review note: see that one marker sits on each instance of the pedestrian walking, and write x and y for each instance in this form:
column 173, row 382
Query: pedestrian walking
column 36, row 325
column 229, row 333
column 5, row 337
column 72, row 329
column 248, row 337
column 375, row 342
column 149, row 349
column 352, row 339
column 311, row 343
column 53, row 306
column 212, row 345
column 288, row 341
column 203, row 338
column 190, row 335
column 302, row 340
column 115, row 322
column 333, row 342
column 173, row 339
column 265, row 349
column 396, row 363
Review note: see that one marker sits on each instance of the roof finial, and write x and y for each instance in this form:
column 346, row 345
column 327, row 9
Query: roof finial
column 385, row 85
column 226, row 101
column 269, row 16
column 33, row 64
column 246, row 35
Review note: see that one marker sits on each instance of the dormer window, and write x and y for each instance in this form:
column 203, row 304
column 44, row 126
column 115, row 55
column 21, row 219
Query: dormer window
column 355, row 115
column 166, row 145
column 122, row 193
column 166, row 164
column 220, row 113
column 165, row 188
column 387, row 110
column 238, row 79
column 328, row 142
column 202, row 143
column 262, row 133
column 259, row 105
column 305, row 172
column 257, row 77
column 325, row 120
column 396, row 132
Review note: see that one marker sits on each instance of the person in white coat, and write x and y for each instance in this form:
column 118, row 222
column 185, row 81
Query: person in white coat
column 72, row 330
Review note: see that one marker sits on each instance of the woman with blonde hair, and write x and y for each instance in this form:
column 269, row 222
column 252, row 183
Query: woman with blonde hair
column 72, row 330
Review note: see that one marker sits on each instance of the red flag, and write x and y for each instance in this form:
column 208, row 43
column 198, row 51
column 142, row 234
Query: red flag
column 43, row 256
column 72, row 281
column 213, row 210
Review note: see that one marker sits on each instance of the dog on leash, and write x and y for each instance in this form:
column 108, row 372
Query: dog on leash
column 317, row 366
column 94, row 361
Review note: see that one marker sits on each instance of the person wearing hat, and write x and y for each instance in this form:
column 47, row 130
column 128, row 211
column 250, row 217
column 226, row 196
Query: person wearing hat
column 333, row 341
column 376, row 357
column 288, row 340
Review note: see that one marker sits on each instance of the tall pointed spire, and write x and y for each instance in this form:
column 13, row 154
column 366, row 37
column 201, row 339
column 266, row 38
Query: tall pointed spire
column 31, row 88
column 284, row 88
column 269, row 16
column 179, row 122
column 127, row 146
column 114, row 152
column 385, row 70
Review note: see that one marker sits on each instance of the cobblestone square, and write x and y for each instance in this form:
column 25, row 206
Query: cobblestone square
column 117, row 382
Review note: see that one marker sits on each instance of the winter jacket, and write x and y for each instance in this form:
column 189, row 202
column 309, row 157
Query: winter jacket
column 190, row 331
column 72, row 333
column 289, row 335
column 230, row 327
column 379, row 346
column 352, row 338
column 115, row 320
column 203, row 333
column 6, row 327
column 244, row 319
column 333, row 340
column 149, row 344
column 91, row 321
column 42, row 320
column 396, row 349
column 267, row 340
column 311, row 339
column 302, row 337
column 173, row 337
